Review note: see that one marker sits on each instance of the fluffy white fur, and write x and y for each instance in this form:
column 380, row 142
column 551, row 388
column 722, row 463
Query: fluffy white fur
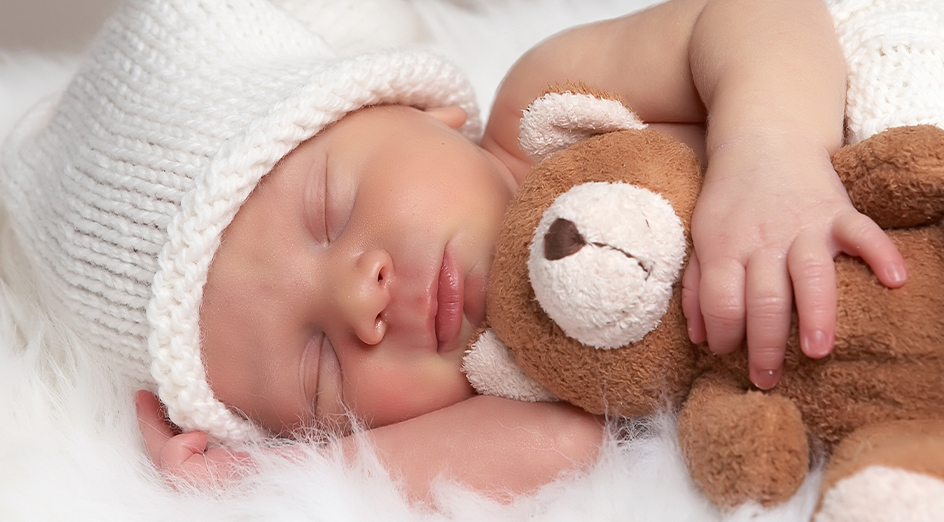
column 69, row 447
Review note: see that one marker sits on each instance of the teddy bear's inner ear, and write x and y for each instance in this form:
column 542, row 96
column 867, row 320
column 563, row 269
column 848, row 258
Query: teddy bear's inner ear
column 558, row 119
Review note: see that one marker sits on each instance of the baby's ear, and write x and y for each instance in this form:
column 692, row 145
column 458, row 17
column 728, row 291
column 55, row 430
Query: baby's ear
column 453, row 115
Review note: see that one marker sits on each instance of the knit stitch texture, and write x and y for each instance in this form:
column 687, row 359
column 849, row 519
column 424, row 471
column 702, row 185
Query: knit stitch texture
column 895, row 56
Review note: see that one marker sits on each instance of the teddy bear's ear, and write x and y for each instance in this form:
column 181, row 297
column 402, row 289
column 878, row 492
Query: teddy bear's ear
column 569, row 113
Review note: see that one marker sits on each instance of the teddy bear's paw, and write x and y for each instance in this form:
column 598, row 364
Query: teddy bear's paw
column 743, row 447
column 569, row 114
column 896, row 177
column 880, row 493
column 887, row 471
column 604, row 260
column 491, row 369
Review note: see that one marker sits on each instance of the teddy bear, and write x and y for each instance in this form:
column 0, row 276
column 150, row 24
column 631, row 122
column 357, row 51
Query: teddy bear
column 584, row 305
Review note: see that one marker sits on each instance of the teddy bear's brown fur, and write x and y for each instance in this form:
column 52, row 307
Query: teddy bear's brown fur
column 740, row 443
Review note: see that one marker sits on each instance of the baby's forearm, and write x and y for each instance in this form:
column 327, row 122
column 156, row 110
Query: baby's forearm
column 499, row 447
column 769, row 66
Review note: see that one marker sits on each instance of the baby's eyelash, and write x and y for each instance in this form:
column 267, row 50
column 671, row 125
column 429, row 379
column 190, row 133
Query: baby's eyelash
column 315, row 204
column 325, row 346
column 324, row 208
column 337, row 210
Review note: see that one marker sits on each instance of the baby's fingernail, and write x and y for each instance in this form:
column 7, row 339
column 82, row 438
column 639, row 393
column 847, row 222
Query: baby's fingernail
column 817, row 344
column 692, row 335
column 765, row 379
column 896, row 273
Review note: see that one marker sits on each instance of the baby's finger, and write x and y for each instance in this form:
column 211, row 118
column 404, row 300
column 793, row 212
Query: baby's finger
column 690, row 307
column 151, row 422
column 814, row 287
column 179, row 450
column 858, row 235
column 721, row 297
column 768, row 301
column 225, row 466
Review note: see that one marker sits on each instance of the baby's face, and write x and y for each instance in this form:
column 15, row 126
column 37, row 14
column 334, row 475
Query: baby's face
column 354, row 274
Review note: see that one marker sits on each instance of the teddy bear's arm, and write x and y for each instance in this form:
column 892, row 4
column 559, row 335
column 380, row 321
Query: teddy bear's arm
column 896, row 177
column 742, row 445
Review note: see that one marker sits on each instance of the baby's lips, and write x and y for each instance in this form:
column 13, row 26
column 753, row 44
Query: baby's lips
column 474, row 304
column 449, row 300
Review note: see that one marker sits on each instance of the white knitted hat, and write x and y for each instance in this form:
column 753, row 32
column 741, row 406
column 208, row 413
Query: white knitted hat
column 121, row 190
column 895, row 55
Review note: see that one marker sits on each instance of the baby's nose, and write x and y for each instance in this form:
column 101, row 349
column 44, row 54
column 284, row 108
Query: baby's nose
column 366, row 296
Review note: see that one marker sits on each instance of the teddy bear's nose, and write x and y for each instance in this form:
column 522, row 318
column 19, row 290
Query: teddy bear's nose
column 562, row 240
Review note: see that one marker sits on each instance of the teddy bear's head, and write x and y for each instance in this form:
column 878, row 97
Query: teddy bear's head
column 587, row 268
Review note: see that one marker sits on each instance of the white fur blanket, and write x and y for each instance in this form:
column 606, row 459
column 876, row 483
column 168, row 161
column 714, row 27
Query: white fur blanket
column 69, row 447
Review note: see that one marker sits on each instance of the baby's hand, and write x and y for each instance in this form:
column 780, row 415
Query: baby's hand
column 185, row 456
column 771, row 217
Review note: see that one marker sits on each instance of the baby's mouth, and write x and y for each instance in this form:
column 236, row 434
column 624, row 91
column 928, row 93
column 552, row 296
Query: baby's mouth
column 449, row 301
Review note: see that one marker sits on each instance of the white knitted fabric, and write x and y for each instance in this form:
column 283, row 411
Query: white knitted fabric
column 895, row 54
column 355, row 26
column 121, row 189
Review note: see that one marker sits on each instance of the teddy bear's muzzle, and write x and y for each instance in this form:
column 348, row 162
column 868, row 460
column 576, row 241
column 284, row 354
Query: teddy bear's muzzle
column 603, row 262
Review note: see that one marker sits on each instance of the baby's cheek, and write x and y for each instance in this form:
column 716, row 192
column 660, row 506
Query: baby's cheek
column 398, row 393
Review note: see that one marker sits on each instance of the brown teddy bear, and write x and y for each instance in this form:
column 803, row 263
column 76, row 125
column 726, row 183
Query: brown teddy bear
column 584, row 296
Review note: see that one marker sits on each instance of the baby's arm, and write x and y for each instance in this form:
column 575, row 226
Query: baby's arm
column 768, row 77
column 499, row 447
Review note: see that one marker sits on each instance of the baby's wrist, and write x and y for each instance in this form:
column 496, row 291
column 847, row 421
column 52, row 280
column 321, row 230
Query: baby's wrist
column 770, row 159
column 753, row 117
column 759, row 140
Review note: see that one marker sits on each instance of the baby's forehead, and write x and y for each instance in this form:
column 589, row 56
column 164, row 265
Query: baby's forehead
column 393, row 114
column 393, row 133
column 401, row 128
